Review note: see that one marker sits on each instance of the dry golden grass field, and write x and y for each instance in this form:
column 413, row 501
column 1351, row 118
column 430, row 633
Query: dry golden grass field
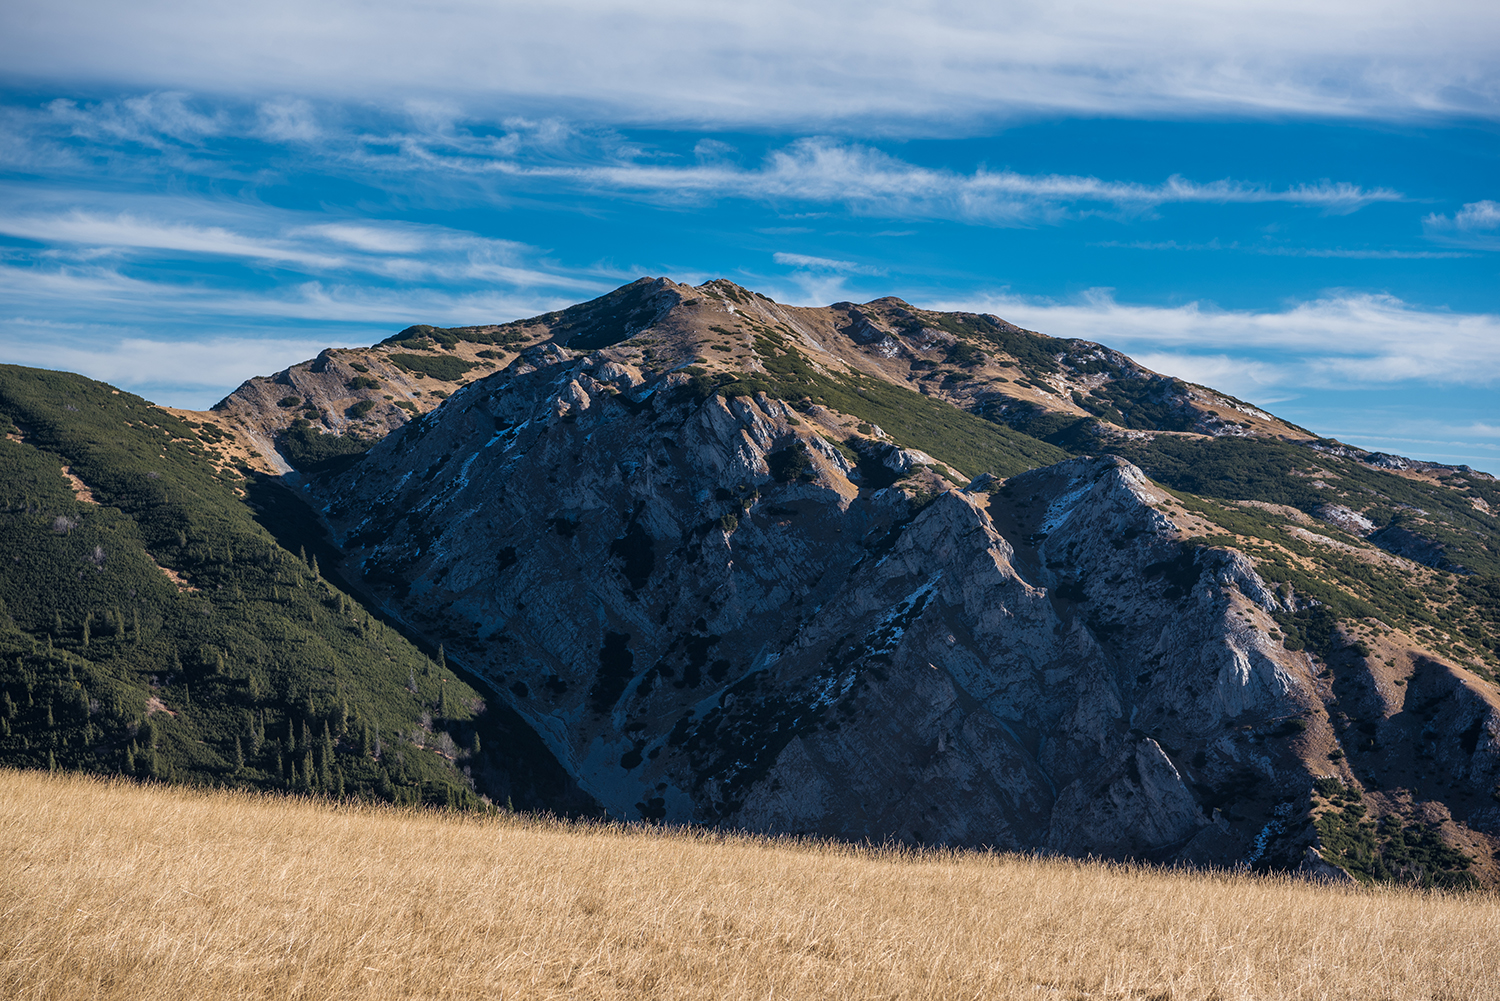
column 112, row 890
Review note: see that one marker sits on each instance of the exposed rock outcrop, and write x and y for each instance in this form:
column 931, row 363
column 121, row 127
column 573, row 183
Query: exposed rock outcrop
column 671, row 530
column 1051, row 666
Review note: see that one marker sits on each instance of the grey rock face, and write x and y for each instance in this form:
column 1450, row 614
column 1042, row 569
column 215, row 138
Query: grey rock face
column 1048, row 667
column 1342, row 517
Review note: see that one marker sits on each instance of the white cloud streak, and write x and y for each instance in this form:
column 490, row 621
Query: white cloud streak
column 872, row 182
column 1476, row 226
column 126, row 357
column 782, row 63
column 462, row 162
column 1483, row 215
column 85, row 225
column 1340, row 341
column 811, row 263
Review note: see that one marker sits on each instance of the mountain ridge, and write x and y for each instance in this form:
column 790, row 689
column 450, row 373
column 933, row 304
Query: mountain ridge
column 724, row 556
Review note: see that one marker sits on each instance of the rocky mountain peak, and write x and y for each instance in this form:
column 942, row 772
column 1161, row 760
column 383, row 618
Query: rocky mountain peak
column 871, row 570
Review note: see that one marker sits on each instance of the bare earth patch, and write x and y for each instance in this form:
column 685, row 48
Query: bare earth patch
column 80, row 489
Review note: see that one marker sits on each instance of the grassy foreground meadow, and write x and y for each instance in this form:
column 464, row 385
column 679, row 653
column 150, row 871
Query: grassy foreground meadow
column 116, row 890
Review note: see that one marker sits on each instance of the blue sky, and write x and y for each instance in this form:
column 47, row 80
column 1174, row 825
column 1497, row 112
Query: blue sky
column 1298, row 205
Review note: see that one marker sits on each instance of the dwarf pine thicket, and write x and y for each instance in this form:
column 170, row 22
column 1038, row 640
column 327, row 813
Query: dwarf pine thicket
column 158, row 630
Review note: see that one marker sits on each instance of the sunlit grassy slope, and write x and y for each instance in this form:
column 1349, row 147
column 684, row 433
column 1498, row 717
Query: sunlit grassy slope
column 123, row 891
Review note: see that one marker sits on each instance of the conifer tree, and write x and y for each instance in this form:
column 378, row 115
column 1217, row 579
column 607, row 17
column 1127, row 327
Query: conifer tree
column 239, row 756
column 327, row 747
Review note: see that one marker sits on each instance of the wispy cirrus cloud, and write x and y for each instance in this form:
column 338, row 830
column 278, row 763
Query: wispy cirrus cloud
column 84, row 225
column 1475, row 216
column 870, row 181
column 823, row 170
column 1337, row 341
column 782, row 64
column 811, row 263
column 820, row 280
column 1274, row 250
column 465, row 161
column 1476, row 225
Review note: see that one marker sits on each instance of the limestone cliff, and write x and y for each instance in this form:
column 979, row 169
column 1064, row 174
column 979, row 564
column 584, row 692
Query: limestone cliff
column 1052, row 665
column 817, row 571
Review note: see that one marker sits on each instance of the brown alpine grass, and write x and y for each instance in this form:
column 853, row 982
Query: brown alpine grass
column 112, row 890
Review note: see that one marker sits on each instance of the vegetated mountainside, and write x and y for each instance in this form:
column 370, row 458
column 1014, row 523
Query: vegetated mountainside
column 828, row 571
column 152, row 625
column 877, row 571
